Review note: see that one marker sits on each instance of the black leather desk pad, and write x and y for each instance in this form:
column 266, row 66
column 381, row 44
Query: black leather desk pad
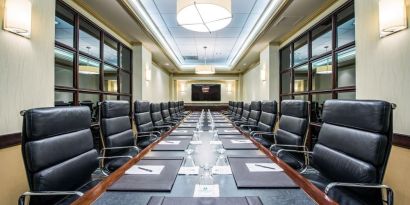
column 221, row 121
column 187, row 125
column 163, row 200
column 178, row 131
column 246, row 179
column 183, row 145
column 142, row 182
column 179, row 137
column 227, row 143
column 238, row 136
column 223, row 124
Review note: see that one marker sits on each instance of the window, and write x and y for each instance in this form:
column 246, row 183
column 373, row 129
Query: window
column 91, row 67
column 324, row 62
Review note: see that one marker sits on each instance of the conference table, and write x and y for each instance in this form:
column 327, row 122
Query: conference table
column 191, row 164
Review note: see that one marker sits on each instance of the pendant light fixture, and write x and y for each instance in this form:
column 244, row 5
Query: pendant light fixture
column 204, row 15
column 205, row 69
column 325, row 69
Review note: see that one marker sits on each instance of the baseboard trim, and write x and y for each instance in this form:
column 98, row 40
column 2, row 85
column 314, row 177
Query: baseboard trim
column 10, row 140
column 401, row 140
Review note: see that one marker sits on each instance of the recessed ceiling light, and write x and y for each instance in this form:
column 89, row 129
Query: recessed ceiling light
column 167, row 64
column 245, row 64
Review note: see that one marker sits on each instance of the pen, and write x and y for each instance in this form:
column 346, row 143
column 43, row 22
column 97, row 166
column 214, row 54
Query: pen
column 267, row 167
column 145, row 169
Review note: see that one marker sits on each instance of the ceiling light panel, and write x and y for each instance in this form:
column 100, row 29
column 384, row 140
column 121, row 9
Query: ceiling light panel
column 225, row 46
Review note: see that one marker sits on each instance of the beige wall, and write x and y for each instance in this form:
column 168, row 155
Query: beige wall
column 155, row 90
column 383, row 73
column 26, row 81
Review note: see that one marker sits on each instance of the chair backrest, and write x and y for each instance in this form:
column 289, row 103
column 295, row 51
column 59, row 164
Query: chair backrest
column 354, row 141
column 156, row 115
column 245, row 112
column 293, row 122
column 115, row 124
column 255, row 113
column 238, row 112
column 172, row 110
column 142, row 116
column 230, row 106
column 267, row 120
column 181, row 106
column 165, row 112
column 57, row 148
column 235, row 107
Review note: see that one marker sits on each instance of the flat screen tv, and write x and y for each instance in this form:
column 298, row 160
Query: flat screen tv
column 206, row 92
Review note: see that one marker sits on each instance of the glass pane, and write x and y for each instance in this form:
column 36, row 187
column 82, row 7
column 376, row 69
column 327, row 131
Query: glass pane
column 346, row 96
column 125, row 82
column 301, row 51
column 301, row 97
column 64, row 64
column 345, row 26
column 110, row 51
column 89, row 39
column 322, row 38
column 317, row 105
column 64, row 26
column 110, row 79
column 126, row 98
column 301, row 79
column 91, row 101
column 126, row 59
column 285, row 58
column 89, row 74
column 285, row 83
column 322, row 74
column 287, row 97
column 63, row 98
column 110, row 97
column 346, row 68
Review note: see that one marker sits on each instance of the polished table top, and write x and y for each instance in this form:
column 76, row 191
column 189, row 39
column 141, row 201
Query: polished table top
column 206, row 153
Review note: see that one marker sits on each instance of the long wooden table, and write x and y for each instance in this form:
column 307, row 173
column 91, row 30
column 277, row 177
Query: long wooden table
column 184, row 184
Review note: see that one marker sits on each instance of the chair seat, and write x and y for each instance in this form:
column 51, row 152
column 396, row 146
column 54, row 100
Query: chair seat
column 71, row 198
column 346, row 196
column 294, row 161
column 265, row 141
column 144, row 142
column 113, row 164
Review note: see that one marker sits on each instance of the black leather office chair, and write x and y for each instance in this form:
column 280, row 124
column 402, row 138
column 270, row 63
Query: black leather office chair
column 166, row 116
column 234, row 109
column 173, row 112
column 254, row 115
column 245, row 114
column 157, row 118
column 58, row 154
column 267, row 119
column 351, row 155
column 230, row 108
column 178, row 109
column 291, row 134
column 144, row 124
column 237, row 115
column 116, row 134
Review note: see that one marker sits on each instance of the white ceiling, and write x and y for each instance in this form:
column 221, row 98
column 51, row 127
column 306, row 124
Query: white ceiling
column 187, row 47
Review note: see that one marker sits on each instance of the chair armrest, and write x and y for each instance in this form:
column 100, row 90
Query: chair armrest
column 262, row 133
column 163, row 126
column 123, row 147
column 46, row 193
column 389, row 191
column 149, row 133
column 307, row 154
column 248, row 126
column 288, row 145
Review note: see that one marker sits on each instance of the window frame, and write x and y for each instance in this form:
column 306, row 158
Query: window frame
column 332, row 52
column 76, row 90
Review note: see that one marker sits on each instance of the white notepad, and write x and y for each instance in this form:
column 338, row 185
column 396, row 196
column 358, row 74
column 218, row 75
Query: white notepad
column 206, row 190
column 184, row 131
column 145, row 169
column 169, row 142
column 241, row 141
column 188, row 170
column 196, row 142
column 215, row 142
column 221, row 170
column 263, row 167
column 231, row 131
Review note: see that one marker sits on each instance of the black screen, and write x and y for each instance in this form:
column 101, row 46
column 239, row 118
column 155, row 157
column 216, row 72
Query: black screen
column 206, row 92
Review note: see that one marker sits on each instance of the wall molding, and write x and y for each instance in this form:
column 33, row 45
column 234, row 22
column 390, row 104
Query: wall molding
column 10, row 140
column 14, row 139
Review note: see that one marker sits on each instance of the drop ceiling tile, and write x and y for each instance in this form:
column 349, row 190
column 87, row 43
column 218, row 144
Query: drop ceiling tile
column 166, row 6
column 242, row 6
column 228, row 33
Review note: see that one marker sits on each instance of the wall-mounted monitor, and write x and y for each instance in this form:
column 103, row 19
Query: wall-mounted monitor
column 206, row 92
